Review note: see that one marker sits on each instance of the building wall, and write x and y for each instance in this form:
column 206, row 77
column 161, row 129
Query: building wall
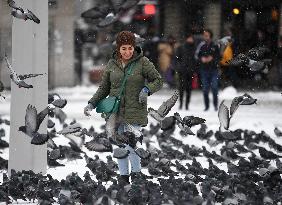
column 212, row 18
column 5, row 41
column 61, row 62
column 173, row 18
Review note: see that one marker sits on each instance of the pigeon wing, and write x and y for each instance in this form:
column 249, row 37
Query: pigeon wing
column 12, row 71
column 32, row 17
column 76, row 140
column 235, row 104
column 129, row 4
column 31, row 118
column 223, row 115
column 22, row 77
column 108, row 20
column 13, row 5
column 41, row 116
column 93, row 13
column 167, row 105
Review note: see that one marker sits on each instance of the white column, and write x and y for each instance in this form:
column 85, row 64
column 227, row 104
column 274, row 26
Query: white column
column 29, row 55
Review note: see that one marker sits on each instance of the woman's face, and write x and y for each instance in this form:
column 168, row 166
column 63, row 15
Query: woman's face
column 126, row 51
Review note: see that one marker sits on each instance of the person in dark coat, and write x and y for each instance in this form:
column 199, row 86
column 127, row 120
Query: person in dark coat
column 143, row 81
column 279, row 60
column 185, row 66
column 208, row 56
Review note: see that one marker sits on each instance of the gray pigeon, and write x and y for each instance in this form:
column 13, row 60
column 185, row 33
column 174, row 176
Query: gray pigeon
column 143, row 154
column 73, row 128
column 120, row 153
column 19, row 79
column 19, row 12
column 248, row 100
column 277, row 132
column 60, row 103
column 164, row 109
column 32, row 124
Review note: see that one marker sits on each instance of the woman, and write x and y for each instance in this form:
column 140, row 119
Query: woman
column 143, row 81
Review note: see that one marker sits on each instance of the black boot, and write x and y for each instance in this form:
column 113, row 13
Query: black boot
column 123, row 180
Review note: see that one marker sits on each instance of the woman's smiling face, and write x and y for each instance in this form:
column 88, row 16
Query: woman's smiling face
column 126, row 52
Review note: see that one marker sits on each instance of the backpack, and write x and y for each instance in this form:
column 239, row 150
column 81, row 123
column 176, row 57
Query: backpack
column 227, row 55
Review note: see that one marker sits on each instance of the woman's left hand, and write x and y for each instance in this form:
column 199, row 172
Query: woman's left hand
column 143, row 95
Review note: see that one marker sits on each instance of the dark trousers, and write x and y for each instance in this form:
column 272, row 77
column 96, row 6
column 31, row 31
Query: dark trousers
column 209, row 80
column 185, row 85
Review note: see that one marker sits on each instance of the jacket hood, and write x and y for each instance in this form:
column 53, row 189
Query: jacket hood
column 138, row 53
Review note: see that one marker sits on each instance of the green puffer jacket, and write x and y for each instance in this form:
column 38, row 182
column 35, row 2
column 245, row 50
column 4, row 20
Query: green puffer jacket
column 143, row 74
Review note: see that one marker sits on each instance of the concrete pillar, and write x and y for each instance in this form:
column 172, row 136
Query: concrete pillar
column 173, row 18
column 62, row 40
column 29, row 55
column 212, row 18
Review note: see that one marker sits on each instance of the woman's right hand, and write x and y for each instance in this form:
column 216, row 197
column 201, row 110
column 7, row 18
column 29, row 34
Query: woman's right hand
column 88, row 109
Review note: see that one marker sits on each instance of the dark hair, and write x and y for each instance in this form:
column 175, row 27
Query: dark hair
column 125, row 38
column 189, row 34
column 209, row 31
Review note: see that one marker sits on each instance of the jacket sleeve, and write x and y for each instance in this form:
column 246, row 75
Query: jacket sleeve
column 104, row 88
column 154, row 79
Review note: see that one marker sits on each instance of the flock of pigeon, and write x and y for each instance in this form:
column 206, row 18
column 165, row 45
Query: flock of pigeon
column 255, row 58
column 174, row 174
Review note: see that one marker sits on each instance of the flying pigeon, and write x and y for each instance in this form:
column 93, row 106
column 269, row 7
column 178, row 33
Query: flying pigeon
column 109, row 13
column 20, row 13
column 19, row 79
column 32, row 124
column 164, row 109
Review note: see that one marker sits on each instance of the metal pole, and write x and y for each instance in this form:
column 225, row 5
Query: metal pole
column 29, row 55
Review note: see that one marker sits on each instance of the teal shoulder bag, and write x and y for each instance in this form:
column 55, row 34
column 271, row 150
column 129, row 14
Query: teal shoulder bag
column 111, row 103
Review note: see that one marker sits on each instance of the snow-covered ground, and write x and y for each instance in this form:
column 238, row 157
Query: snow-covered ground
column 266, row 115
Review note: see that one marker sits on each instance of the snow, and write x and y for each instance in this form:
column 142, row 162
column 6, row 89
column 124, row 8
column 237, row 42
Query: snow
column 266, row 115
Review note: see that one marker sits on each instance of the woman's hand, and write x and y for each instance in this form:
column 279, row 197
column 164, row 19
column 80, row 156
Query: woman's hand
column 143, row 95
column 88, row 109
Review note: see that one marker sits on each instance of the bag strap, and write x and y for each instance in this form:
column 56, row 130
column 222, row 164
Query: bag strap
column 128, row 72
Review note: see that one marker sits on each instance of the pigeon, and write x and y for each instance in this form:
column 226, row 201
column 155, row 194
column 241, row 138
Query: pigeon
column 19, row 79
column 264, row 153
column 164, row 109
column 19, row 12
column 192, row 121
column 277, row 132
column 120, row 153
column 60, row 103
column 32, row 124
column 248, row 100
column 252, row 59
column 110, row 13
column 99, row 145
column 143, row 154
column 73, row 128
column 1, row 89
